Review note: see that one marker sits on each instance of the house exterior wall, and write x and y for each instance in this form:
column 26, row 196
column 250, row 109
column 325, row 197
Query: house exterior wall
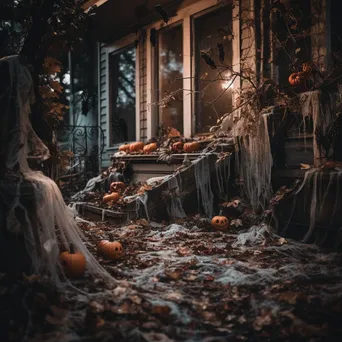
column 249, row 51
column 145, row 118
column 102, row 100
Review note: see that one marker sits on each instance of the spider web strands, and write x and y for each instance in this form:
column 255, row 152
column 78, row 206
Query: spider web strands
column 318, row 198
column 54, row 224
column 254, row 161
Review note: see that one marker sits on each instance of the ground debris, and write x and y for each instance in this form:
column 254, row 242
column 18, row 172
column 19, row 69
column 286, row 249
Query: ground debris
column 184, row 282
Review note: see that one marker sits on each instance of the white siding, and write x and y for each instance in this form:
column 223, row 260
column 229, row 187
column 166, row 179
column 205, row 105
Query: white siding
column 103, row 109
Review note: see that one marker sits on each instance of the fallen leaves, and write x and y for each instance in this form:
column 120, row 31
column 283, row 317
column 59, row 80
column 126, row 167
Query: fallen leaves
column 184, row 251
column 264, row 319
column 236, row 223
column 234, row 204
column 174, row 275
column 162, row 311
column 291, row 297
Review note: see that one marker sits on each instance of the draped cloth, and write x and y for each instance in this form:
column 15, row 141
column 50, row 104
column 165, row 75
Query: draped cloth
column 52, row 225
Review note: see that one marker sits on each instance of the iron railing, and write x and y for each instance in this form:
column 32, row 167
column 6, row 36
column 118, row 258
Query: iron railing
column 87, row 145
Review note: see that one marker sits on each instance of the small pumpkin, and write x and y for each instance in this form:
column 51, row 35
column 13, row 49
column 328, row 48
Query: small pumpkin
column 114, row 196
column 191, row 146
column 73, row 263
column 150, row 148
column 110, row 249
column 117, row 186
column 220, row 222
column 136, row 146
column 297, row 78
column 177, row 146
column 124, row 148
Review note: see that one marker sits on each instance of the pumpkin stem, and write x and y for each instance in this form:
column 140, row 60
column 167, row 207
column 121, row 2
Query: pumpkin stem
column 111, row 237
column 71, row 248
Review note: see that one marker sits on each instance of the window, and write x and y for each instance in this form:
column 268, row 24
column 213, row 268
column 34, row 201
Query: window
column 169, row 82
column 122, row 95
column 289, row 54
column 190, row 95
column 213, row 89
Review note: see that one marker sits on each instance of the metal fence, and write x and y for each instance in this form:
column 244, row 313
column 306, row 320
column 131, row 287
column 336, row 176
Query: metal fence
column 86, row 144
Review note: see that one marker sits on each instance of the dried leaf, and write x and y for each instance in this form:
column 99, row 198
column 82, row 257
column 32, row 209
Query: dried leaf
column 236, row 223
column 305, row 166
column 56, row 86
column 100, row 322
column 282, row 241
column 161, row 310
column 184, row 251
column 175, row 275
column 51, row 66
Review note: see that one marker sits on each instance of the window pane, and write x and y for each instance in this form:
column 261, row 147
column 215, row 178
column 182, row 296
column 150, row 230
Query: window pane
column 122, row 95
column 170, row 71
column 211, row 29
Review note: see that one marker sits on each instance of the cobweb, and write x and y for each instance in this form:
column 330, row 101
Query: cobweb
column 54, row 225
column 254, row 162
column 90, row 186
column 223, row 176
column 316, row 198
column 174, row 206
column 203, row 184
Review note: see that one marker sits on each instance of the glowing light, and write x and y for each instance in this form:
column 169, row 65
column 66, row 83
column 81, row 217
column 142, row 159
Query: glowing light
column 227, row 82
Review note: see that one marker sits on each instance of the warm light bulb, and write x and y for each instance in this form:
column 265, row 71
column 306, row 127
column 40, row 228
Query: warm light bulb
column 227, row 83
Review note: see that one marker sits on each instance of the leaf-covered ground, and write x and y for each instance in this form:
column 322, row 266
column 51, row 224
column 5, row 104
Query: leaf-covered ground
column 185, row 282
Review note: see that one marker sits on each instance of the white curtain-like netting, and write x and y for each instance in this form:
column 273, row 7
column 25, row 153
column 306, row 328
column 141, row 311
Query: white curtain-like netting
column 54, row 225
column 254, row 162
column 311, row 105
column 323, row 191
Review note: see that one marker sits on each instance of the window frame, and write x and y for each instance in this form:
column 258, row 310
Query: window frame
column 116, row 47
column 185, row 16
column 155, row 74
column 193, row 37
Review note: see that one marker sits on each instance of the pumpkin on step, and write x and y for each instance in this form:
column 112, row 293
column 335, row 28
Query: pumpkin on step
column 136, row 146
column 150, row 148
column 177, row 146
column 124, row 148
column 117, row 186
column 220, row 222
column 73, row 263
column 114, row 196
column 110, row 249
column 191, row 146
column 297, row 78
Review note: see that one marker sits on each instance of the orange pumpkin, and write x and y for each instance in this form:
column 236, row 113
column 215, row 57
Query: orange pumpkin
column 110, row 249
column 191, row 146
column 150, row 148
column 124, row 148
column 136, row 147
column 220, row 222
column 117, row 186
column 114, row 196
column 73, row 263
column 297, row 78
column 177, row 146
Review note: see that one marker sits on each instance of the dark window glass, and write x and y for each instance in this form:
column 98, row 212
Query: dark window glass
column 122, row 95
column 169, row 62
column 211, row 29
